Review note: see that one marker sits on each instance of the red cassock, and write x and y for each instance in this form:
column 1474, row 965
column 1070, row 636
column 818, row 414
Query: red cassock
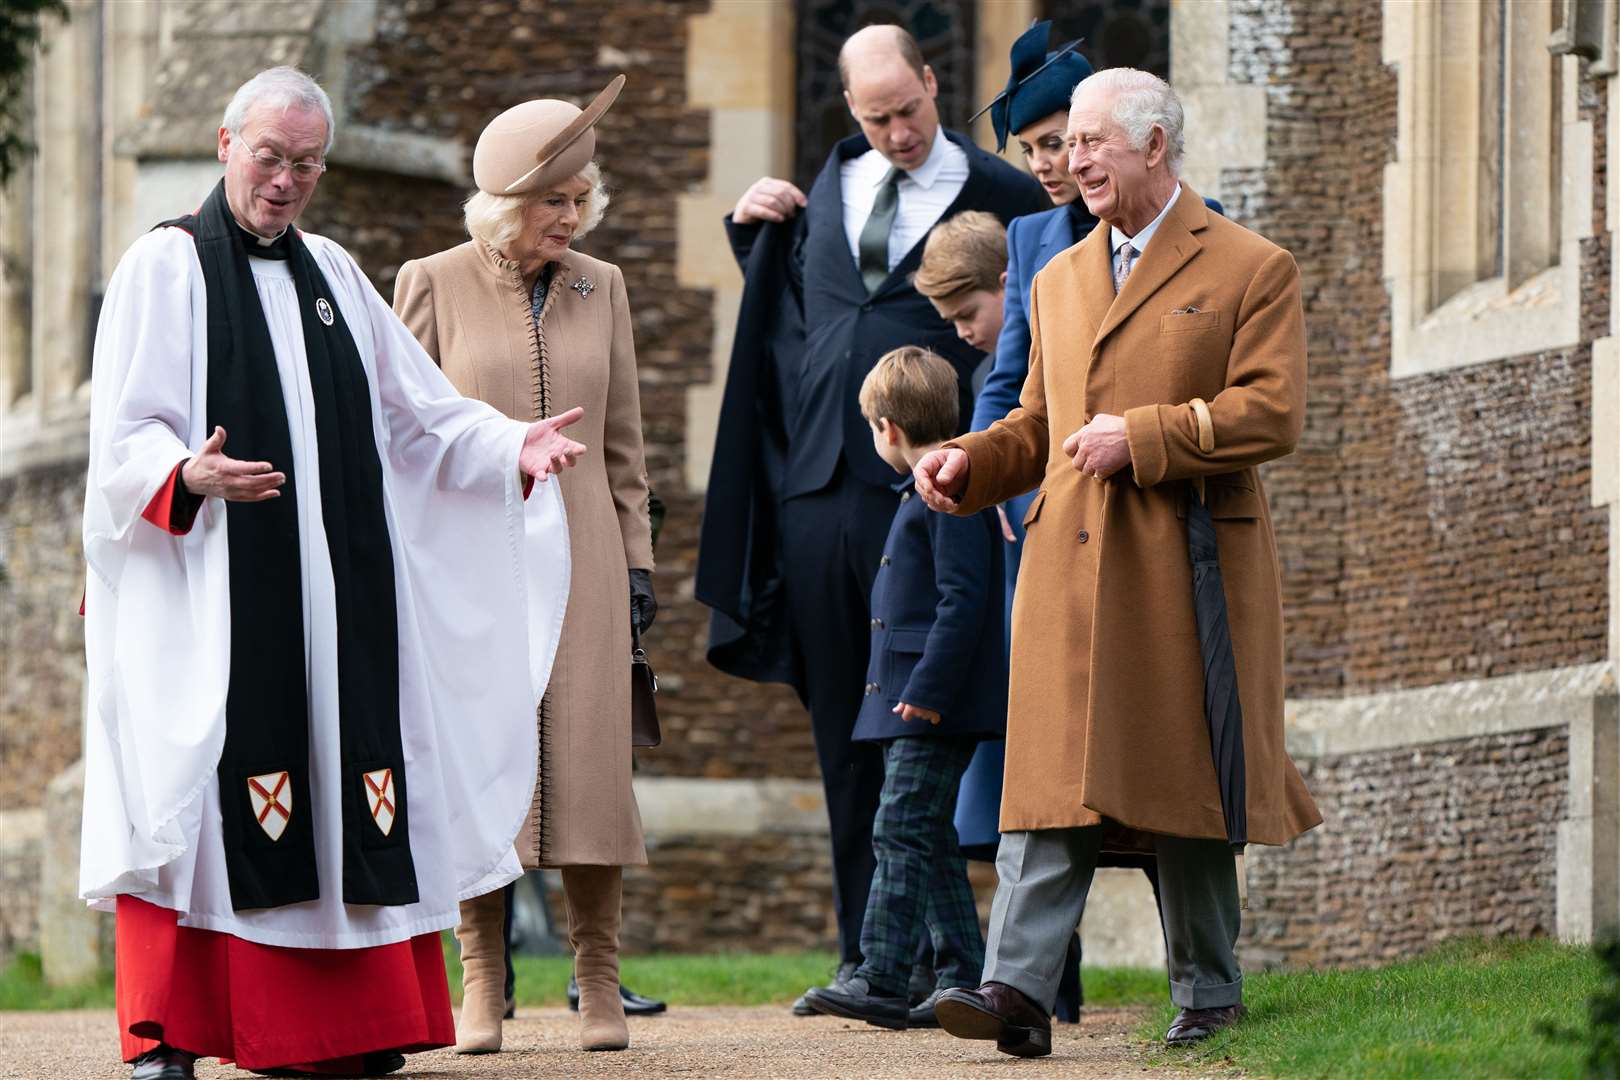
column 267, row 1006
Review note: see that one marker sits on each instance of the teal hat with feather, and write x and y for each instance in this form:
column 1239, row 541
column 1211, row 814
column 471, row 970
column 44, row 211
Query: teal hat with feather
column 1040, row 83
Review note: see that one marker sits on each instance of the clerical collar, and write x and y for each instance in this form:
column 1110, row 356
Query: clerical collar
column 260, row 248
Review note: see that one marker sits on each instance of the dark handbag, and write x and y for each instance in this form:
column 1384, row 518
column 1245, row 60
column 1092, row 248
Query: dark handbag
column 644, row 729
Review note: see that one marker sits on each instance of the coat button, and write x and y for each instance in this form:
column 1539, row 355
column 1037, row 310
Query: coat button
column 1084, row 536
column 905, row 496
column 866, row 307
column 877, row 624
column 868, row 689
column 885, row 561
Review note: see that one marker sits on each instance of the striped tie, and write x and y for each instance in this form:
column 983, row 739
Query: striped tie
column 1124, row 260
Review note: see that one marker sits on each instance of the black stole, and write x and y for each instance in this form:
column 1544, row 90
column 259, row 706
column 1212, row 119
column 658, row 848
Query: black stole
column 269, row 830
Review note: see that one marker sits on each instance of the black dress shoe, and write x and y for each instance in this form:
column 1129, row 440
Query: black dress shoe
column 854, row 1000
column 164, row 1063
column 1000, row 1012
column 801, row 1007
column 1196, row 1025
column 634, row 1003
column 921, row 987
column 380, row 1063
column 922, row 1013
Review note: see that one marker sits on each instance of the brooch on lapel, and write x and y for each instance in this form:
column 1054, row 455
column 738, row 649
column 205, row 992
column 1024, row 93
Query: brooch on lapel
column 584, row 286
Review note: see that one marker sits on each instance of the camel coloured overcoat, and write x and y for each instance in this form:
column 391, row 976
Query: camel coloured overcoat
column 1106, row 710
column 470, row 309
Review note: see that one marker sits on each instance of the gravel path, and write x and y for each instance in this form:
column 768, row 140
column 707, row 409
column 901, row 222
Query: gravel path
column 692, row 1042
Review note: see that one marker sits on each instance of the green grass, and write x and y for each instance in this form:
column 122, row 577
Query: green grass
column 1469, row 1009
column 716, row 979
column 720, row 979
column 22, row 986
column 755, row 978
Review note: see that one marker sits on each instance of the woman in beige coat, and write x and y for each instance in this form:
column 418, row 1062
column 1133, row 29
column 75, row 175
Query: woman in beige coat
column 518, row 319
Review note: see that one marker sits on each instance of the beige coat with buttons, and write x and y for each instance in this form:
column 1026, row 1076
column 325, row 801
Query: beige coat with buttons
column 1106, row 712
column 470, row 310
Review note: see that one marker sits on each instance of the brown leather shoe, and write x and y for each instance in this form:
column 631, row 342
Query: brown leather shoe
column 1000, row 1012
column 1196, row 1025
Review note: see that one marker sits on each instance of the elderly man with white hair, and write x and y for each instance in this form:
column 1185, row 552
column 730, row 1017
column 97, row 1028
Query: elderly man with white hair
column 1167, row 362
column 311, row 561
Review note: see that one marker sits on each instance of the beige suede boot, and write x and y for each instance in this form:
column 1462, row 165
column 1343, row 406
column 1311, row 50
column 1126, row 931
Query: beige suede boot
column 482, row 937
column 593, row 894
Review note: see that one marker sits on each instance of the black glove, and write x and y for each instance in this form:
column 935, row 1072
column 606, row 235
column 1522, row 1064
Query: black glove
column 655, row 515
column 643, row 604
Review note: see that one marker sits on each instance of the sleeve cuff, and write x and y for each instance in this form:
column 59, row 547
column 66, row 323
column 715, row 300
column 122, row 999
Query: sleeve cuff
column 1144, row 433
column 973, row 495
column 173, row 509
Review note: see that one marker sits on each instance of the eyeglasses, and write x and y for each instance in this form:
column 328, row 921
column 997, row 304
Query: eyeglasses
column 270, row 164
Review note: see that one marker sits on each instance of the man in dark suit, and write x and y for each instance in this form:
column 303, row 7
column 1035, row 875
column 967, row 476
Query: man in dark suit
column 799, row 504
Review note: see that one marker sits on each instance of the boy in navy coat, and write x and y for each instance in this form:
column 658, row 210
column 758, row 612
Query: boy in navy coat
column 936, row 686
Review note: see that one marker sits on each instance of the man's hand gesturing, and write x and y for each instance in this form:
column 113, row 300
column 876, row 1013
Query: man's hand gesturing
column 768, row 199
column 546, row 449
column 941, row 478
column 212, row 473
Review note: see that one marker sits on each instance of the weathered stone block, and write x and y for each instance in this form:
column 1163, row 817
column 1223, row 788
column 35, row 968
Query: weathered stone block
column 21, row 837
column 73, row 939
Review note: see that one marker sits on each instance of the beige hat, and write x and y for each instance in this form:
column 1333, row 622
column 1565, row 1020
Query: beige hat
column 532, row 146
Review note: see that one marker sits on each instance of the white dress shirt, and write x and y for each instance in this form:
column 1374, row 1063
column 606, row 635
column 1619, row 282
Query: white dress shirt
column 1117, row 239
column 925, row 193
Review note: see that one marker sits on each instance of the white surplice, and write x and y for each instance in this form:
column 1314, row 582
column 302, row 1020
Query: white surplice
column 481, row 579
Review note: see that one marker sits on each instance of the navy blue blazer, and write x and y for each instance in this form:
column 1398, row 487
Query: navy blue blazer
column 846, row 329
column 936, row 626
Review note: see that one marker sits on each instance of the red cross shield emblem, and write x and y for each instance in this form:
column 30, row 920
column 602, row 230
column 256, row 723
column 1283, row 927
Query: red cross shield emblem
column 380, row 796
column 271, row 798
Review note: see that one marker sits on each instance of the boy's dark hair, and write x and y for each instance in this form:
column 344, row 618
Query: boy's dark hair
column 915, row 388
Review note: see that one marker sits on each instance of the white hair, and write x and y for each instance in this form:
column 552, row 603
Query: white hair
column 497, row 220
column 1142, row 102
column 284, row 88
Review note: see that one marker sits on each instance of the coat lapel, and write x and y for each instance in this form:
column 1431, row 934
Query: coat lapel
column 1057, row 236
column 827, row 205
column 1096, row 279
column 1172, row 246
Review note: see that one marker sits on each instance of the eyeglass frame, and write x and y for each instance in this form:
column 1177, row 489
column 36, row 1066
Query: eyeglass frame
column 280, row 163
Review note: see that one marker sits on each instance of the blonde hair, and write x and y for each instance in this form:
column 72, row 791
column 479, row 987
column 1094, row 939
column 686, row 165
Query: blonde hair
column 915, row 388
column 497, row 220
column 966, row 252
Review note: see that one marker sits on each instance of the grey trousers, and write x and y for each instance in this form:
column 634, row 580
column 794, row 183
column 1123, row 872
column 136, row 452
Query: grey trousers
column 1045, row 875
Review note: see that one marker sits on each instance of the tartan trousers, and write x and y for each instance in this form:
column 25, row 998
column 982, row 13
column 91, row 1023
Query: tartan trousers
column 921, row 878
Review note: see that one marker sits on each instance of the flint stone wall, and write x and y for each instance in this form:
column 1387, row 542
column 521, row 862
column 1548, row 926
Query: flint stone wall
column 1417, row 845
column 1431, row 529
